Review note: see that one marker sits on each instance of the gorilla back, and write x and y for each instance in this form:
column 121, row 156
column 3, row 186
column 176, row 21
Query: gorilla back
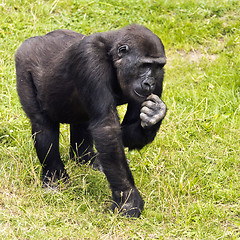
column 66, row 77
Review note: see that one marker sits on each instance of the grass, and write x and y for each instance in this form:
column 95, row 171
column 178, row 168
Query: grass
column 189, row 175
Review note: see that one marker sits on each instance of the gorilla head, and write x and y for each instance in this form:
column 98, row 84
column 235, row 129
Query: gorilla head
column 138, row 61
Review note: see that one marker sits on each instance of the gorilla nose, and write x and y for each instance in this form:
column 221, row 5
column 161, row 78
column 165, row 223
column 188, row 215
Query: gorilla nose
column 148, row 85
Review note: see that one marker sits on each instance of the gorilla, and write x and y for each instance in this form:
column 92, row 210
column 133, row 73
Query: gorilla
column 67, row 77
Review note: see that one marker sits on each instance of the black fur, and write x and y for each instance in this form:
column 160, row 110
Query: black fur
column 66, row 77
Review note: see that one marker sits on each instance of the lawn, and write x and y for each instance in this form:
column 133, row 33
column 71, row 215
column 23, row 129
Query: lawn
column 189, row 176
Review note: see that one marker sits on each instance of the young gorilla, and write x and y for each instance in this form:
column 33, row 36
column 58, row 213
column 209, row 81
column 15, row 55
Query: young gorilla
column 66, row 77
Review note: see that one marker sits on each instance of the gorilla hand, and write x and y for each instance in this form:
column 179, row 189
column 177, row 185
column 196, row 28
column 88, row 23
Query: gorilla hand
column 127, row 203
column 153, row 110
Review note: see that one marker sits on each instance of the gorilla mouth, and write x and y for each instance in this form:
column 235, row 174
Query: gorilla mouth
column 140, row 95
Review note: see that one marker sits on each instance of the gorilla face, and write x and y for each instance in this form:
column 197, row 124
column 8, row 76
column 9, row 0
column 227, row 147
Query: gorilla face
column 139, row 66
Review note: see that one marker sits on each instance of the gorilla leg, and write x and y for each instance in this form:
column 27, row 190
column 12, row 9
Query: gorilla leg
column 46, row 138
column 81, row 143
column 45, row 132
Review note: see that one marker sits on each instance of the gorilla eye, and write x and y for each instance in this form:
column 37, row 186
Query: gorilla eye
column 122, row 50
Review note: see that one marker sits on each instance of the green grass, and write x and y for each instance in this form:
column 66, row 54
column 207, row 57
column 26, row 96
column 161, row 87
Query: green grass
column 189, row 175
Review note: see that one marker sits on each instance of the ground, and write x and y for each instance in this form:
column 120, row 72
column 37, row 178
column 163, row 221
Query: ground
column 189, row 175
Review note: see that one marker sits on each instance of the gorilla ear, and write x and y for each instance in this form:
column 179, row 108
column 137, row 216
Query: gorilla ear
column 123, row 50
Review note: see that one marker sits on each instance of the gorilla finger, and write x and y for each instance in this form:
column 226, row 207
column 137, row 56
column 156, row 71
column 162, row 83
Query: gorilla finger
column 149, row 122
column 155, row 102
column 155, row 98
column 153, row 121
column 163, row 107
column 159, row 117
column 144, row 124
column 144, row 117
column 149, row 104
column 147, row 111
column 154, row 108
column 160, row 105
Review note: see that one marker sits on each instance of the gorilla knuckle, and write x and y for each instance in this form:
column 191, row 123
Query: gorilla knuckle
column 146, row 110
column 148, row 104
column 143, row 116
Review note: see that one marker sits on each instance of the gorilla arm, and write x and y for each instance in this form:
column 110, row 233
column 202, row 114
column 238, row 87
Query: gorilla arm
column 142, row 122
column 107, row 135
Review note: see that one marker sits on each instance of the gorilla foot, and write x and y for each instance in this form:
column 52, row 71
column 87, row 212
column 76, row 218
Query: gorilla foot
column 127, row 203
column 52, row 179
